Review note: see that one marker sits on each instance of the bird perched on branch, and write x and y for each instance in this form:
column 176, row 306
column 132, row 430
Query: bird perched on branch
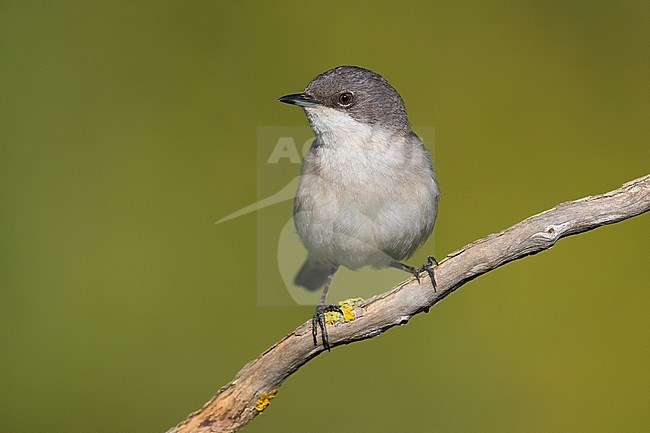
column 367, row 195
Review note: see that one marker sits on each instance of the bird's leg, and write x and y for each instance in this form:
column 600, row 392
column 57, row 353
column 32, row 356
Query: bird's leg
column 318, row 321
column 428, row 267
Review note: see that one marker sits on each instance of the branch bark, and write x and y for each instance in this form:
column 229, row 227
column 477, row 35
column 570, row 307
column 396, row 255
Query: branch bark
column 238, row 402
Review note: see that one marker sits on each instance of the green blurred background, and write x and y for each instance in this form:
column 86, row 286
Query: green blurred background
column 129, row 128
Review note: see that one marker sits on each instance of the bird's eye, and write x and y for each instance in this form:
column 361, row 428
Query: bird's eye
column 345, row 99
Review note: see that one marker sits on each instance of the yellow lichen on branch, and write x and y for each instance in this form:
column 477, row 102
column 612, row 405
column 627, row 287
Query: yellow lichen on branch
column 265, row 399
column 347, row 308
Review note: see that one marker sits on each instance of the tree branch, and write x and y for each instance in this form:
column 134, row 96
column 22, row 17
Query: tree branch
column 238, row 402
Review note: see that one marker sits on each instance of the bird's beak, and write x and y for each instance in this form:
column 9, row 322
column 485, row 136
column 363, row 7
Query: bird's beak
column 301, row 99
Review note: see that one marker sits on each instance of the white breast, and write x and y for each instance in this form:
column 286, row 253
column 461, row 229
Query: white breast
column 366, row 196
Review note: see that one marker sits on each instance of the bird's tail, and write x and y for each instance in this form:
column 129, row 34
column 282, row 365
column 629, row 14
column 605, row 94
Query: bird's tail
column 312, row 275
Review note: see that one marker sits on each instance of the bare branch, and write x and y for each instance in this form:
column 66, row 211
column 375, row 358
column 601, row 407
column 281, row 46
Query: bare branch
column 238, row 402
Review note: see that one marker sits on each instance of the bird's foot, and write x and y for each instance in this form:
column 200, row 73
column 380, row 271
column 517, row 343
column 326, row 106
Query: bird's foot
column 318, row 321
column 428, row 267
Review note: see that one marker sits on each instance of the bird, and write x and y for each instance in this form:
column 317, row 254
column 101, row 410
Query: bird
column 367, row 194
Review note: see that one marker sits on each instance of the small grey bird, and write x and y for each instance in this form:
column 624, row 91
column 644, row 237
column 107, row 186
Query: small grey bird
column 368, row 195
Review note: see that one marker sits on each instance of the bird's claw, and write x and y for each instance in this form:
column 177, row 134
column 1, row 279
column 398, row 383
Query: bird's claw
column 318, row 321
column 428, row 268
